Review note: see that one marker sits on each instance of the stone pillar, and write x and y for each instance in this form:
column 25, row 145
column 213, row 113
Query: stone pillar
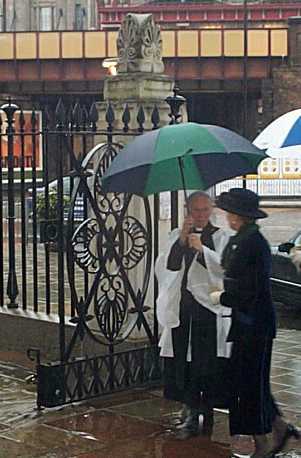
column 135, row 90
column 139, row 82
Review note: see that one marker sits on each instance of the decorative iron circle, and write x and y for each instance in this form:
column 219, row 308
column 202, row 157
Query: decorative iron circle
column 109, row 251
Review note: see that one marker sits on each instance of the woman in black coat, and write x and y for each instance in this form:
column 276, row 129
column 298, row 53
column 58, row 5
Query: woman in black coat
column 247, row 266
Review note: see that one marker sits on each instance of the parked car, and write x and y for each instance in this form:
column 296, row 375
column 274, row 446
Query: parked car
column 285, row 270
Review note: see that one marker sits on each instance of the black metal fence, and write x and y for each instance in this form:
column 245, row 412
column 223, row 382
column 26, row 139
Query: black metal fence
column 70, row 249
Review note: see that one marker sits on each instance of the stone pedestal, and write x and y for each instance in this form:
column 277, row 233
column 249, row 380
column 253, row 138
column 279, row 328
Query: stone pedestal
column 136, row 90
column 139, row 87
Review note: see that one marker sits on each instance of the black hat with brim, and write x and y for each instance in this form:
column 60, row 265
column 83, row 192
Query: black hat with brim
column 242, row 202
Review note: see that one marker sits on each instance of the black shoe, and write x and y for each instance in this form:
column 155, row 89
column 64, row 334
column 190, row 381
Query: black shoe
column 186, row 433
column 190, row 427
column 208, row 422
column 191, row 421
column 291, row 431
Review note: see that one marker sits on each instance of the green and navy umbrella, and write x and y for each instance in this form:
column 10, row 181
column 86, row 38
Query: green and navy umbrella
column 181, row 156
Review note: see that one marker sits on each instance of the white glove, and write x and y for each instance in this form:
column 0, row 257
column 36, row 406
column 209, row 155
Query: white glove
column 215, row 297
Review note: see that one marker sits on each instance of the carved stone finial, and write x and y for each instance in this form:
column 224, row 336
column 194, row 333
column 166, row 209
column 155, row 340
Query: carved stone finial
column 139, row 45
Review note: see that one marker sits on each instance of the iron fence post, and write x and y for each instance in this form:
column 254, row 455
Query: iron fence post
column 175, row 102
column 60, row 125
column 12, row 284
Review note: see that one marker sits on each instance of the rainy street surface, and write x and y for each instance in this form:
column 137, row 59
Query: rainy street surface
column 135, row 424
column 141, row 424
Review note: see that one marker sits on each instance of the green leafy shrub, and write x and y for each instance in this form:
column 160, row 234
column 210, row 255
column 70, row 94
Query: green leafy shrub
column 52, row 205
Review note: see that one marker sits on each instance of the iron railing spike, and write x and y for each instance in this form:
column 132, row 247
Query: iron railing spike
column 33, row 119
column 126, row 118
column 141, row 118
column 93, row 116
column 70, row 116
column 21, row 119
column 77, row 115
column 60, row 114
column 110, row 115
column 155, row 118
column 85, row 116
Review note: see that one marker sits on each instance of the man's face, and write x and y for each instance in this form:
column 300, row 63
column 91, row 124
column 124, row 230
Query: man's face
column 200, row 210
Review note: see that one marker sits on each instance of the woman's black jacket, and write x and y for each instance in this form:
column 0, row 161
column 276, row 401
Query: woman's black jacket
column 247, row 289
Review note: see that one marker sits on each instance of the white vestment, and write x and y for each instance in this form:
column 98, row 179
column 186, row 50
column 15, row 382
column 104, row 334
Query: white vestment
column 201, row 281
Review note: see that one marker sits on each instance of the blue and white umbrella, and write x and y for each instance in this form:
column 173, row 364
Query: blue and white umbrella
column 282, row 138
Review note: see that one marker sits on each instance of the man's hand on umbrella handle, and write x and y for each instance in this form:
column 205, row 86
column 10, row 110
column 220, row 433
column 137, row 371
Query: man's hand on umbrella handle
column 194, row 242
column 186, row 228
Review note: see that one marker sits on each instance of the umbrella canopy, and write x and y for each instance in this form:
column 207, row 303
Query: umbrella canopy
column 181, row 156
column 282, row 138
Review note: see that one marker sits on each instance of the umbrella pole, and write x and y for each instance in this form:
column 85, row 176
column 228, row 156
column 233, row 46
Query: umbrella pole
column 181, row 165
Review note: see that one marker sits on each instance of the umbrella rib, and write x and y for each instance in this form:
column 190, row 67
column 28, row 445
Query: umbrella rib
column 181, row 165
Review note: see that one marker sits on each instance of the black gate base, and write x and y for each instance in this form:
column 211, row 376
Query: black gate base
column 90, row 377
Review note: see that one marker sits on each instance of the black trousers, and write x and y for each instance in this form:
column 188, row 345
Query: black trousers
column 252, row 408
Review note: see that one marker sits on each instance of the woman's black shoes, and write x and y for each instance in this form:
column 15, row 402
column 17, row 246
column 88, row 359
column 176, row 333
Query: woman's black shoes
column 290, row 432
column 190, row 427
column 208, row 422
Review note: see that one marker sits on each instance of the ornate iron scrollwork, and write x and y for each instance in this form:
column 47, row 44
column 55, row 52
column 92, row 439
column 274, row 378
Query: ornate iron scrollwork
column 82, row 242
column 137, row 242
column 112, row 248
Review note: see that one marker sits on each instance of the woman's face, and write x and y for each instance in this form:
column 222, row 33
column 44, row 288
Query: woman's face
column 234, row 221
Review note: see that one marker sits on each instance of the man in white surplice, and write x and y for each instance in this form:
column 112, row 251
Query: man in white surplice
column 194, row 331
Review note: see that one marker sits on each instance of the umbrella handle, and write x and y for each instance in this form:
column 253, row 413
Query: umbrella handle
column 181, row 165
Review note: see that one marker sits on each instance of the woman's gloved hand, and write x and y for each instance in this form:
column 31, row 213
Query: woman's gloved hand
column 215, row 297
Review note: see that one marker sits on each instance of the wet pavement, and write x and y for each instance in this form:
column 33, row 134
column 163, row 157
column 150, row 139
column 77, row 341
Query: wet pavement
column 135, row 424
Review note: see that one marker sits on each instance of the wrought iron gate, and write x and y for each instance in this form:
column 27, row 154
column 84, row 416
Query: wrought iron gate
column 105, row 243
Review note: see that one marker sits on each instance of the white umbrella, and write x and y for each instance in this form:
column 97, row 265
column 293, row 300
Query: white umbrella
column 290, row 152
column 282, row 138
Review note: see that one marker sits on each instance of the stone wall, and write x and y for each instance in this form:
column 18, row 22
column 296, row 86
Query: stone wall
column 286, row 89
column 283, row 92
